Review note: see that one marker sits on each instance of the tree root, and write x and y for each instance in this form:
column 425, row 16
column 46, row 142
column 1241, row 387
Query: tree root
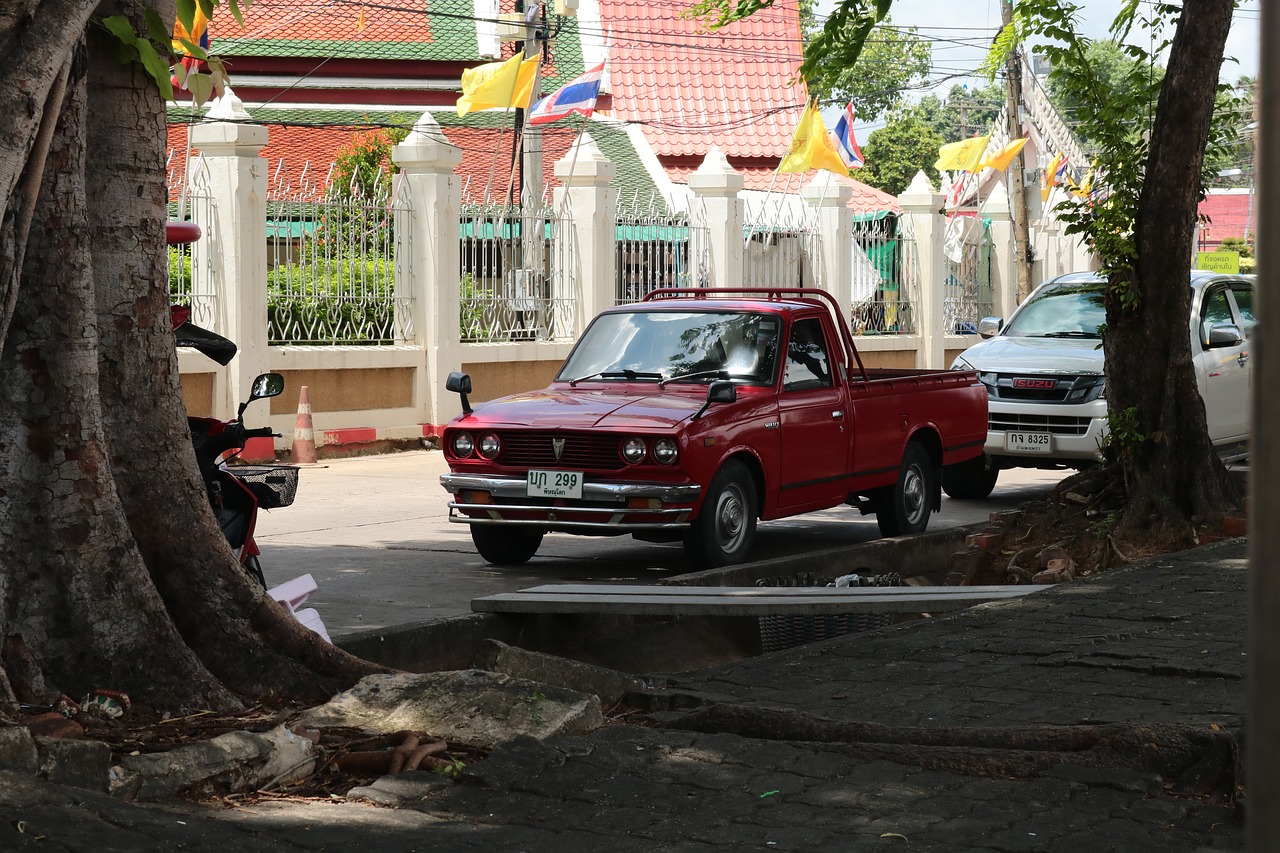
column 1191, row 760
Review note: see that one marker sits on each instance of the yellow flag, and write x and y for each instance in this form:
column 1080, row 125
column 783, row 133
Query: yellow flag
column 811, row 146
column 964, row 155
column 1002, row 158
column 498, row 84
column 1049, row 178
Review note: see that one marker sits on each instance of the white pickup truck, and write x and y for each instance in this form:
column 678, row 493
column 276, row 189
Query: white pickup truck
column 1046, row 386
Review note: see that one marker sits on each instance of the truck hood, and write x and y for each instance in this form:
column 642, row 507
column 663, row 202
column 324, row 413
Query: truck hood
column 1036, row 355
column 588, row 409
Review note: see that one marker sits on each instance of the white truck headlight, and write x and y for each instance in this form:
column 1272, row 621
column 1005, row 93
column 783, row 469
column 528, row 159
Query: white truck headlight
column 490, row 446
column 665, row 451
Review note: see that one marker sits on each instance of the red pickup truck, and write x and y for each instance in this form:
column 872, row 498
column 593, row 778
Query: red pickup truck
column 692, row 414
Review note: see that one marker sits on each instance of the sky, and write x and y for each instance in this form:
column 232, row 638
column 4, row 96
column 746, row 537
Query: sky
column 962, row 29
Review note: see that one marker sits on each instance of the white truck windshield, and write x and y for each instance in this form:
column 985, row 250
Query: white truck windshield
column 1066, row 311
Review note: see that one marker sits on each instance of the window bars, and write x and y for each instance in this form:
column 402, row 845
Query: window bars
column 517, row 280
column 334, row 256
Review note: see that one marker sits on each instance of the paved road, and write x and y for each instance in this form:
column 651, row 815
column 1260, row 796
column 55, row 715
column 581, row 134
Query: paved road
column 373, row 532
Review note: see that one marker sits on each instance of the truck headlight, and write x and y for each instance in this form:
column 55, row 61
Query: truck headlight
column 490, row 446
column 633, row 450
column 665, row 451
column 961, row 364
column 463, row 444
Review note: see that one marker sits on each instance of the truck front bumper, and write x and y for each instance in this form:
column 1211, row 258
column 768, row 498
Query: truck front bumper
column 1076, row 432
column 603, row 508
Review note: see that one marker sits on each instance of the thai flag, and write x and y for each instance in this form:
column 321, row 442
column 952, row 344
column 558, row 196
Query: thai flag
column 845, row 142
column 576, row 96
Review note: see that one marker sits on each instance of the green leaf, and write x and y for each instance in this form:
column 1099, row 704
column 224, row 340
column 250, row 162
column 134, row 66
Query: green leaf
column 156, row 29
column 119, row 26
column 187, row 13
column 235, row 5
column 156, row 67
column 200, row 86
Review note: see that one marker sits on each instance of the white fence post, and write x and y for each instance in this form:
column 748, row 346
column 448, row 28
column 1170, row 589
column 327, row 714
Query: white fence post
column 835, row 227
column 920, row 207
column 237, row 236
column 427, row 161
column 716, row 186
column 1003, row 278
column 586, row 176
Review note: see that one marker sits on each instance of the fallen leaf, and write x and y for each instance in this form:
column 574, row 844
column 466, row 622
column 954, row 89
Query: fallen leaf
column 893, row 835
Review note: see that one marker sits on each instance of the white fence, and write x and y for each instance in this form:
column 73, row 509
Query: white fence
column 398, row 283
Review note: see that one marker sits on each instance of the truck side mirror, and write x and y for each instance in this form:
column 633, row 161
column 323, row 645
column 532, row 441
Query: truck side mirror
column 720, row 391
column 989, row 327
column 460, row 384
column 1225, row 335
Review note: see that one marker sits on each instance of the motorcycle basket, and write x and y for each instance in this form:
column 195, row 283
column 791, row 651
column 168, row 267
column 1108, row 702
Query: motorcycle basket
column 273, row 486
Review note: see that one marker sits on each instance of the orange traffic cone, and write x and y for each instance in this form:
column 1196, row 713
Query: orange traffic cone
column 303, row 451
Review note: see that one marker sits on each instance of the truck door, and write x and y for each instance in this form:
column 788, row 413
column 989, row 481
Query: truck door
column 815, row 422
column 1222, row 370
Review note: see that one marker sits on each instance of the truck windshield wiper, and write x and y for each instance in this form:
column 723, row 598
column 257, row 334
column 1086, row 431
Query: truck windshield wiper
column 719, row 373
column 1080, row 334
column 629, row 375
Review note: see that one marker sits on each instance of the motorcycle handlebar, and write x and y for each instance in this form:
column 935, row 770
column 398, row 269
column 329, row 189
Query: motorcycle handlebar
column 263, row 432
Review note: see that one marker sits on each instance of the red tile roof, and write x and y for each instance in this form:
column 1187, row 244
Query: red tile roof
column 321, row 20
column 1229, row 213
column 692, row 89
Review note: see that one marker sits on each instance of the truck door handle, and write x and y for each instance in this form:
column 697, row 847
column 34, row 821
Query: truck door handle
column 1242, row 358
column 837, row 414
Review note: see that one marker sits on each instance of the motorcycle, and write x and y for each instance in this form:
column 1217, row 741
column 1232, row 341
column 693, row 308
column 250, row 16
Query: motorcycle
column 236, row 492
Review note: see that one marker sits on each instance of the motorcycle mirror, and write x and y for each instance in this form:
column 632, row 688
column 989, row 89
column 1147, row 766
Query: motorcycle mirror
column 267, row 385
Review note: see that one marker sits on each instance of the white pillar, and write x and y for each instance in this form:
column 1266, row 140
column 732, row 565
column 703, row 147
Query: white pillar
column 1004, row 277
column 716, row 186
column 427, row 161
column 921, row 207
column 830, row 196
column 586, row 193
column 237, row 237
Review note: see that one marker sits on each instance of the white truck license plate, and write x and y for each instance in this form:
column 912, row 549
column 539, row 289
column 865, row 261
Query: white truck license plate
column 554, row 484
column 1028, row 442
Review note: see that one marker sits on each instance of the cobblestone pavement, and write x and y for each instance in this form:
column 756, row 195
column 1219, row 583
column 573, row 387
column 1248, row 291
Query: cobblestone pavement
column 1157, row 645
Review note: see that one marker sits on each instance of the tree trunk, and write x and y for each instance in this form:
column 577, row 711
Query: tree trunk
column 36, row 38
column 79, row 610
column 1172, row 474
column 115, row 573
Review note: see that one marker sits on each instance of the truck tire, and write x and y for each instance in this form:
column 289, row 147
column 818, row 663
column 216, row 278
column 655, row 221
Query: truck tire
column 970, row 481
column 505, row 546
column 905, row 506
column 722, row 533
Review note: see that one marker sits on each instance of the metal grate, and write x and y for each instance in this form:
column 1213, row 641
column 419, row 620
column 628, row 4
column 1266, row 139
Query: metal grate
column 884, row 275
column 581, row 451
column 1055, row 424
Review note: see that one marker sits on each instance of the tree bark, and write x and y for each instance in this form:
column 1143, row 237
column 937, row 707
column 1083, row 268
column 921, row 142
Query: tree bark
column 252, row 644
column 36, row 39
column 1173, row 476
column 77, row 599
column 114, row 572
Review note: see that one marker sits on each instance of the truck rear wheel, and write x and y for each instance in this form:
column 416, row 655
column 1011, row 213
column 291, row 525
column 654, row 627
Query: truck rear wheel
column 505, row 546
column 970, row 481
column 721, row 535
column 905, row 506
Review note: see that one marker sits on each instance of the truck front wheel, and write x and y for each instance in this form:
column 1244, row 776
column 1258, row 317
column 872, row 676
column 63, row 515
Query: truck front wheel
column 905, row 506
column 970, row 481
column 505, row 546
column 721, row 534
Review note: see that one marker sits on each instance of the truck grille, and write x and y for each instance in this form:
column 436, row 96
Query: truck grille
column 582, row 451
column 1041, row 388
column 1055, row 424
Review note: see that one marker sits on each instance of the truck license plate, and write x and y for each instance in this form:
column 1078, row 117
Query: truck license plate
column 554, row 484
column 1028, row 442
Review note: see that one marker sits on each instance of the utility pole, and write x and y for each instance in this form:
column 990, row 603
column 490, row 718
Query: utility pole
column 1018, row 196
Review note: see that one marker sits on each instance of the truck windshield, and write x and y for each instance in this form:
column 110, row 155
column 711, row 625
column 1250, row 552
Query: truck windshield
column 1065, row 311
column 696, row 346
